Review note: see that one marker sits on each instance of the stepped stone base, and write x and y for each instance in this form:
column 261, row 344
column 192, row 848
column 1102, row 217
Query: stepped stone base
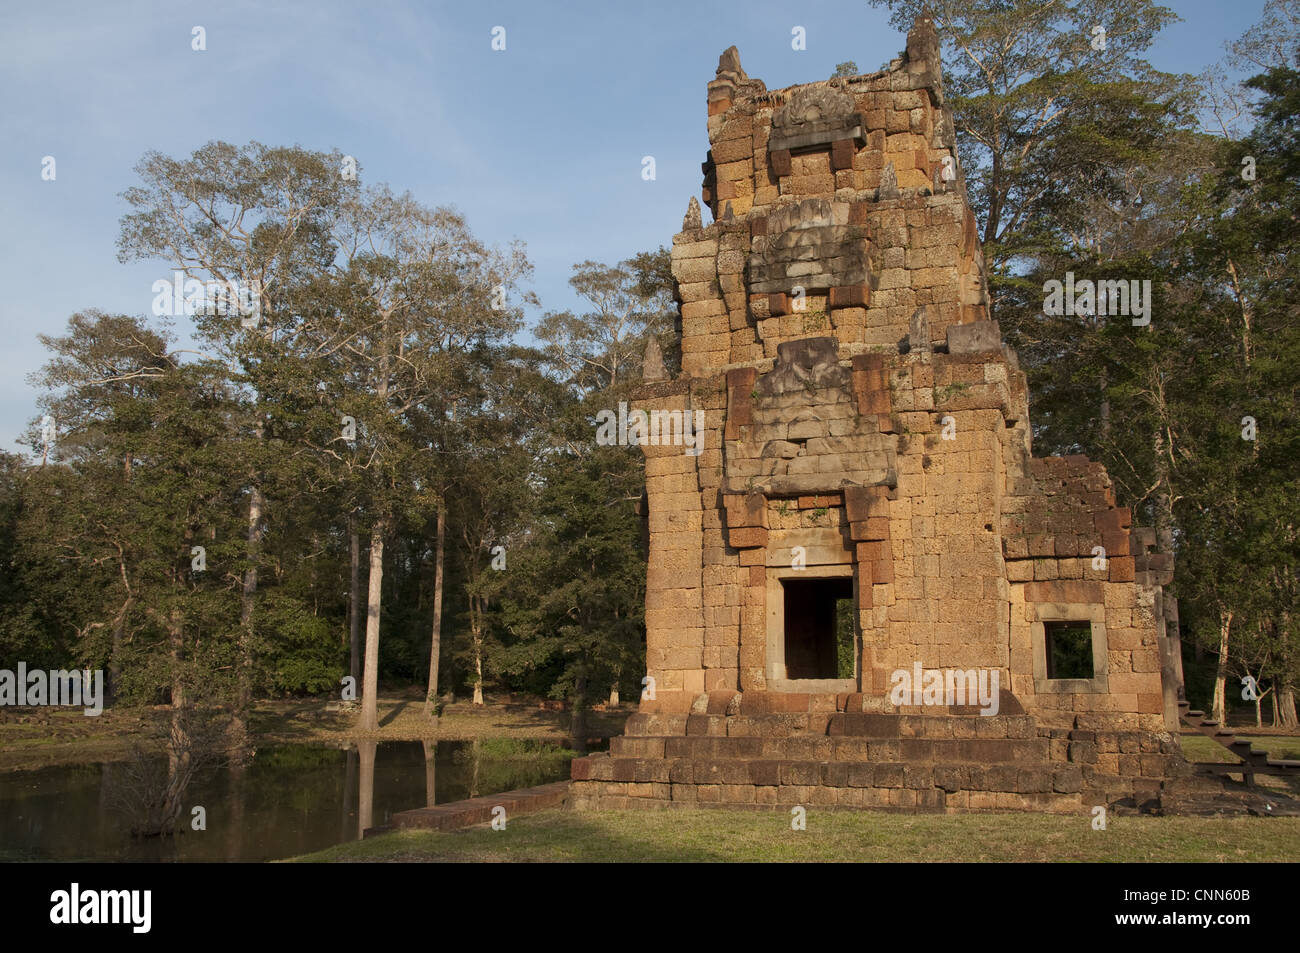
column 936, row 762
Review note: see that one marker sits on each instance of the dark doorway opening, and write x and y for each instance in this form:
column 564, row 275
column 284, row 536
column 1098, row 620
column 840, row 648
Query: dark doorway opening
column 818, row 635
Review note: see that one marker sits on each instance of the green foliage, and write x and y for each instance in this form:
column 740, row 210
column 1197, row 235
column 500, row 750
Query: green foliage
column 845, row 641
column 301, row 646
column 1075, row 158
column 1051, row 130
column 513, row 749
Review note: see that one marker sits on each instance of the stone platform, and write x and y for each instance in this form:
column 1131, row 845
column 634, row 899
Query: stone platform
column 737, row 752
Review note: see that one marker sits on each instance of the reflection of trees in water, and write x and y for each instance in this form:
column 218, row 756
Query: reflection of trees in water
column 491, row 765
column 470, row 769
column 349, row 786
column 289, row 800
column 148, row 788
column 301, row 780
column 234, row 829
column 430, row 773
column 366, row 801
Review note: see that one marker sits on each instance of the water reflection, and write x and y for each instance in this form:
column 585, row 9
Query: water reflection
column 366, row 812
column 289, row 800
column 430, row 774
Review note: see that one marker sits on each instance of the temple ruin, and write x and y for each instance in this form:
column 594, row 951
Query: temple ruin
column 862, row 530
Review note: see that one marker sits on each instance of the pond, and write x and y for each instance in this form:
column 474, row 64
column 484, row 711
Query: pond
column 291, row 799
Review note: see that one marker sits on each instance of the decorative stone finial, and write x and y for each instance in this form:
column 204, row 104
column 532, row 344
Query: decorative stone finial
column 652, row 364
column 922, row 43
column 729, row 61
column 692, row 219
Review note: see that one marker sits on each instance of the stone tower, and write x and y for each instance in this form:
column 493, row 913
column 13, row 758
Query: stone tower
column 861, row 513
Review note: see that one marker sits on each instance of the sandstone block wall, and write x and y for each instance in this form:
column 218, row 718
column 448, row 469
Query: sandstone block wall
column 864, row 422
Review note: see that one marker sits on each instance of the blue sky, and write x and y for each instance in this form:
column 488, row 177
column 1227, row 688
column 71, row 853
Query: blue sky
column 542, row 142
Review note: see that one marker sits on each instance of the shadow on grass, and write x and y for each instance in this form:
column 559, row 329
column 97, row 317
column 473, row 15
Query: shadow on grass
column 549, row 837
column 392, row 715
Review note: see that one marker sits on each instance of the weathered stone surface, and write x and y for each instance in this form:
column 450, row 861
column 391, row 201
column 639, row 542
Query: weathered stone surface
column 652, row 364
column 692, row 220
column 918, row 334
column 974, row 338
column 888, row 190
column 846, row 462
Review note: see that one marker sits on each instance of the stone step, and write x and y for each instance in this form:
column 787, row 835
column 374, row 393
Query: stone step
column 1020, row 778
column 887, row 725
column 781, row 798
column 836, row 748
column 931, row 726
column 457, row 814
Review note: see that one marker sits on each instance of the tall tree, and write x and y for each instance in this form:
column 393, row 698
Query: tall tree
column 1053, row 105
column 150, row 511
column 423, row 291
column 254, row 220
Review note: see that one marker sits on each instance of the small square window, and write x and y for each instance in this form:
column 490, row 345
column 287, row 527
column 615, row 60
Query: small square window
column 1069, row 649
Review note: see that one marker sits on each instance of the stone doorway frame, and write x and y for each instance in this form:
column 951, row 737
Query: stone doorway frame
column 774, row 660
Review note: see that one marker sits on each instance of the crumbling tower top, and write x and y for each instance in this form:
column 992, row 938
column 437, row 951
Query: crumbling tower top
column 838, row 208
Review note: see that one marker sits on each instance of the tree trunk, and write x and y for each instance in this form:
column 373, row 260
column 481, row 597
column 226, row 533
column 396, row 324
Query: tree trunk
column 476, row 631
column 478, row 672
column 178, row 741
column 613, row 695
column 1247, row 312
column 239, row 724
column 578, row 719
column 114, row 665
column 354, row 605
column 1284, row 686
column 1104, row 413
column 1218, row 710
column 1285, row 702
column 369, row 692
column 436, row 648
column 119, row 624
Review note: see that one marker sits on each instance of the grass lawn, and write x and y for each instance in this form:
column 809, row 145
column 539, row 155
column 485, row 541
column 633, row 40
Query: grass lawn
column 702, row 836
column 1197, row 747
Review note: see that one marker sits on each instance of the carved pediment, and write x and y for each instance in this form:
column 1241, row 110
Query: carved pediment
column 812, row 105
column 814, row 117
column 812, row 246
column 805, row 435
